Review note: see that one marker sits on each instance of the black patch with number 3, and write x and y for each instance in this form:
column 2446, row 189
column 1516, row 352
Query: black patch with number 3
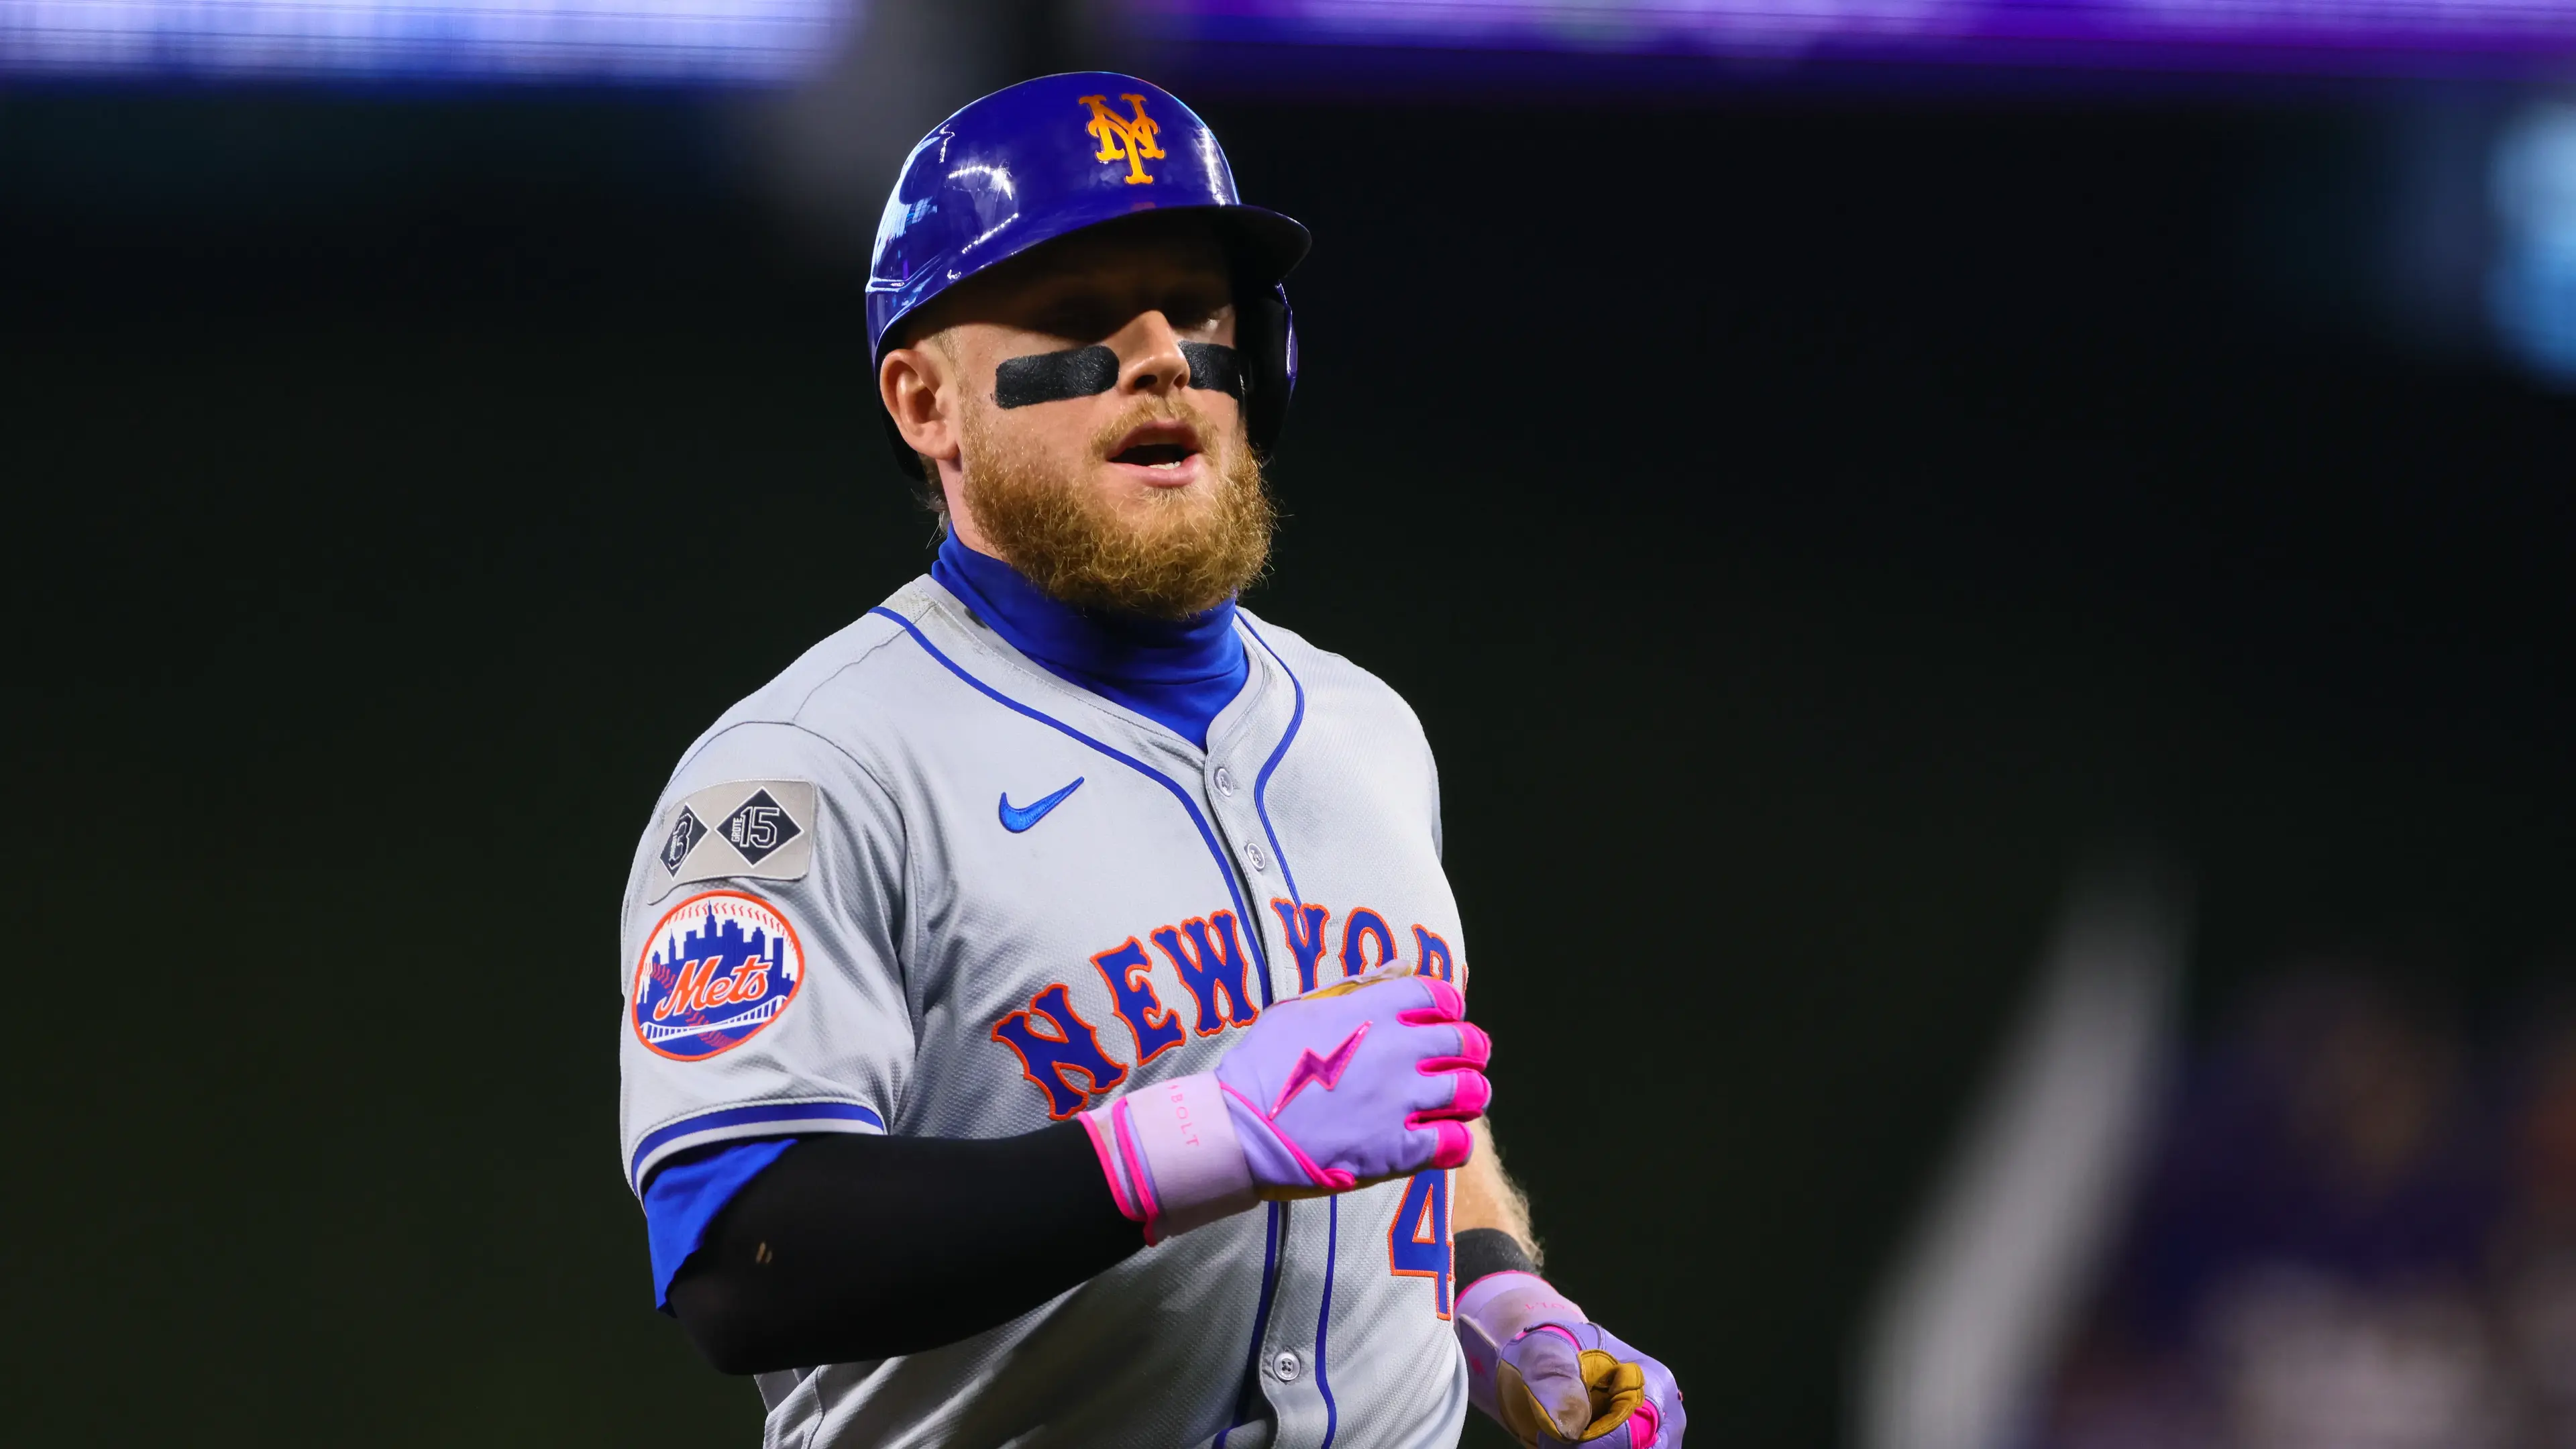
column 686, row 832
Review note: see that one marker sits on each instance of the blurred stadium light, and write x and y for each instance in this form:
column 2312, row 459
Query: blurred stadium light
column 2405, row 37
column 721, row 42
column 1969, row 1325
column 829, row 146
column 2470, row 237
column 2531, row 283
column 751, row 42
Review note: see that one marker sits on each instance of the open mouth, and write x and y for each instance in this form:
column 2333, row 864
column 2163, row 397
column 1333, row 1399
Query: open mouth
column 1157, row 445
column 1156, row 455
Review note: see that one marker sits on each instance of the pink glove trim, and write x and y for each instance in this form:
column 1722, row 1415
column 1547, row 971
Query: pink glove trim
column 1475, row 1049
column 1478, row 1086
column 1645, row 1426
column 1123, row 1117
column 1111, row 1168
column 1456, row 1143
column 1447, row 1005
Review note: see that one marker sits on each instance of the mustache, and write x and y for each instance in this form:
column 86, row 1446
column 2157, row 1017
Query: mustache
column 1171, row 409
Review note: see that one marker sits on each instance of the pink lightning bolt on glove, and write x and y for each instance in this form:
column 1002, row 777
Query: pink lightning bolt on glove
column 1358, row 1083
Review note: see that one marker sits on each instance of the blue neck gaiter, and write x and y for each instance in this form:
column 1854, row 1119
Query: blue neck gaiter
column 1177, row 672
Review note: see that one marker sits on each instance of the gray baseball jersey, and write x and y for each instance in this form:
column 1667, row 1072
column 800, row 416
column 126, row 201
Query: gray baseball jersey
column 919, row 885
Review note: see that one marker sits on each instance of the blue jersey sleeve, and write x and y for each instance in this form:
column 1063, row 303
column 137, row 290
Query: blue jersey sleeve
column 686, row 1194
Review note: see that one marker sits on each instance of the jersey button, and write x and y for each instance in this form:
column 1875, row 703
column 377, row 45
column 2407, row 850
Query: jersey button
column 1224, row 781
column 1252, row 852
column 1287, row 1366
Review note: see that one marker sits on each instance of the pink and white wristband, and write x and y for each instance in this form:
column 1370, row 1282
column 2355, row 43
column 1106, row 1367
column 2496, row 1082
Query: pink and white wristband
column 1171, row 1155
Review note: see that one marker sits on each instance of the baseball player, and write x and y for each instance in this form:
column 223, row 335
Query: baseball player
column 1045, row 1016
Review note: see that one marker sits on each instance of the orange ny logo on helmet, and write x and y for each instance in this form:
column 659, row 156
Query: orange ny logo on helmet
column 1124, row 138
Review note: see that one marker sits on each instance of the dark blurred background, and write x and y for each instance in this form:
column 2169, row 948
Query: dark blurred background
column 1815, row 521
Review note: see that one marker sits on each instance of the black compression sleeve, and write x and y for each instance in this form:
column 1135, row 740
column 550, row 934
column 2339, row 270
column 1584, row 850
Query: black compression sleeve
column 1476, row 1252
column 852, row 1247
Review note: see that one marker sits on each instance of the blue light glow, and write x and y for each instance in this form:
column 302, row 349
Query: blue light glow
column 2531, row 288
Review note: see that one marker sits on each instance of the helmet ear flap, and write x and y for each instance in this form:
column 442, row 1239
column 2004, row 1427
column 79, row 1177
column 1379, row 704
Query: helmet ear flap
column 1265, row 332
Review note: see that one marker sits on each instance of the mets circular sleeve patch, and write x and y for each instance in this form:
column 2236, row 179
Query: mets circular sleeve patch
column 717, row 968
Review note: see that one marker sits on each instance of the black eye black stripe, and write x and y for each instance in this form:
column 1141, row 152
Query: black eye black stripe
column 1054, row 376
column 1089, row 371
column 1214, row 367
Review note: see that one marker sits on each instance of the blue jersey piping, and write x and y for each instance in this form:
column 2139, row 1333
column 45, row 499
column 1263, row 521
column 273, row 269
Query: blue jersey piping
column 1261, row 783
column 739, row 1116
column 1296, row 899
column 1324, row 1321
column 1260, row 1315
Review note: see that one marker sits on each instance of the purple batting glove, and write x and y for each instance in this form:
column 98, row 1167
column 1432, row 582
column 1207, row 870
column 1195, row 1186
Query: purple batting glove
column 1552, row 1377
column 1359, row 1083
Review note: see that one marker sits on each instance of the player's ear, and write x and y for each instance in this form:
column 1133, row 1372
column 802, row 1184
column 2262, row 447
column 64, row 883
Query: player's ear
column 919, row 386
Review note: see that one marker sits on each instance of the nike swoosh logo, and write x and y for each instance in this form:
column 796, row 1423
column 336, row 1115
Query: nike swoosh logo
column 1312, row 1068
column 1016, row 818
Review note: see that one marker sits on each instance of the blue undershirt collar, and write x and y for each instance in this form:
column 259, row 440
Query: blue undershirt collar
column 1177, row 672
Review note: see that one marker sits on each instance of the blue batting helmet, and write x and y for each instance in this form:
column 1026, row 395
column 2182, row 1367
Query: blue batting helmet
column 1051, row 156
